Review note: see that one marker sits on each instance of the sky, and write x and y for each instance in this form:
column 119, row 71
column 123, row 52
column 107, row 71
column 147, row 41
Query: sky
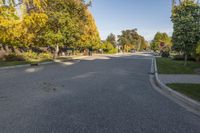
column 148, row 16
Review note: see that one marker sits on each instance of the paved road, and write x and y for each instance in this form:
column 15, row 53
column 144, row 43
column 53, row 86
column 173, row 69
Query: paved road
column 105, row 95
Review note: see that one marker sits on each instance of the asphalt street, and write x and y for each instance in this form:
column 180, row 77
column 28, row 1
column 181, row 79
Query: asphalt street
column 95, row 95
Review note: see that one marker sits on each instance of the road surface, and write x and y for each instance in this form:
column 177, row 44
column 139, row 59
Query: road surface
column 96, row 95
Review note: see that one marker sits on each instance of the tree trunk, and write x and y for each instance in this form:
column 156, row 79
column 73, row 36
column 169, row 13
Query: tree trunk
column 139, row 45
column 186, row 59
column 56, row 52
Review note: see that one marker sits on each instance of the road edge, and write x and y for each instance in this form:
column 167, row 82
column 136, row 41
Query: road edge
column 38, row 64
column 76, row 58
column 186, row 102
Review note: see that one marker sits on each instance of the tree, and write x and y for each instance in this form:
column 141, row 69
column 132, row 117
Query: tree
column 90, row 37
column 112, row 39
column 72, row 24
column 175, row 2
column 60, row 23
column 186, row 20
column 159, row 39
column 20, row 32
column 130, row 39
column 33, row 24
column 30, row 5
column 63, row 27
column 10, row 28
column 143, row 45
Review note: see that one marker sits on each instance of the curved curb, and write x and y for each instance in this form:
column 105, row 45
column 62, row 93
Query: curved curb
column 179, row 98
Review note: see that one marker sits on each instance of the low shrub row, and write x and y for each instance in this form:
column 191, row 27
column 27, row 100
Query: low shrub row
column 179, row 57
column 13, row 57
column 27, row 56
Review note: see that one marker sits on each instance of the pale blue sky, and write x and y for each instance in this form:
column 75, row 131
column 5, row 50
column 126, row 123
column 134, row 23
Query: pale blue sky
column 148, row 16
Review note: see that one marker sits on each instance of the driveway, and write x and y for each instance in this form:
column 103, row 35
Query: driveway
column 97, row 95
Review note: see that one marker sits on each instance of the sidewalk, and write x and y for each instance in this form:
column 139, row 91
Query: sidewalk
column 179, row 78
column 160, row 82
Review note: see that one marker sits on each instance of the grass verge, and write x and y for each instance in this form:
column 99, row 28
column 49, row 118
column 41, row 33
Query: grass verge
column 12, row 63
column 169, row 66
column 15, row 63
column 190, row 90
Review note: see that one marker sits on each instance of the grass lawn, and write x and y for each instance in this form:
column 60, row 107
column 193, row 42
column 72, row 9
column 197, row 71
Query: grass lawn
column 31, row 61
column 12, row 63
column 169, row 66
column 190, row 90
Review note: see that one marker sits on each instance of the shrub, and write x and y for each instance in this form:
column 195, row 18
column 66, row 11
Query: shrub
column 181, row 57
column 165, row 54
column 30, row 55
column 108, row 48
column 34, row 56
column 45, row 55
column 14, row 57
column 113, row 51
column 198, row 52
column 165, row 51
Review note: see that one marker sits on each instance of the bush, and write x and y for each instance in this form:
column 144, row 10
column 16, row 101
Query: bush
column 14, row 57
column 45, row 55
column 30, row 55
column 27, row 56
column 178, row 57
column 198, row 52
column 108, row 48
column 165, row 54
column 181, row 58
column 113, row 51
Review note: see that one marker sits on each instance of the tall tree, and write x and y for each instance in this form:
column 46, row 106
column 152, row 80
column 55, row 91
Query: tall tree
column 186, row 20
column 20, row 32
column 60, row 23
column 90, row 37
column 73, row 25
column 10, row 26
column 62, row 28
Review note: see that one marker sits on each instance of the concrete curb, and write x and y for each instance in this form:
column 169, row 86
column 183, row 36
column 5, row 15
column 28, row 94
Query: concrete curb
column 179, row 98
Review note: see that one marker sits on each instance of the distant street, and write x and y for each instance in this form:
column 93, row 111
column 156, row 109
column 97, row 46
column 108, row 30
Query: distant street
column 108, row 94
